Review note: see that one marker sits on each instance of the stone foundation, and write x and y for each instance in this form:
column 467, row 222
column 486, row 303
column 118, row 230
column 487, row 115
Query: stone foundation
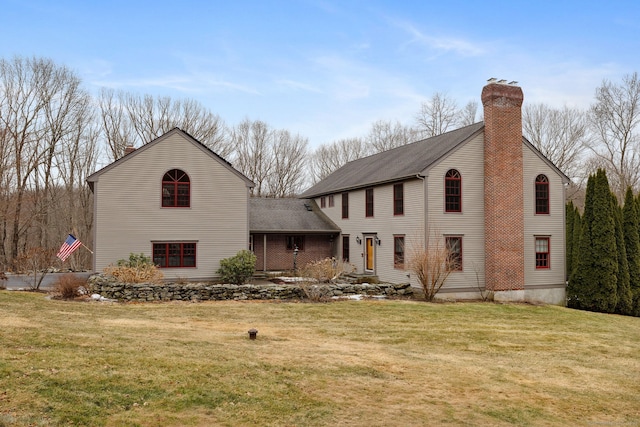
column 110, row 288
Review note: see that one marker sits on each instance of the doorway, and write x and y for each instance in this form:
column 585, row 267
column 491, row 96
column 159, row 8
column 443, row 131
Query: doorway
column 369, row 254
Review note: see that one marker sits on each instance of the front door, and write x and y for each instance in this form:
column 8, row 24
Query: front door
column 369, row 256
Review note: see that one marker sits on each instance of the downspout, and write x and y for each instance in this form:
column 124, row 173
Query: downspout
column 425, row 193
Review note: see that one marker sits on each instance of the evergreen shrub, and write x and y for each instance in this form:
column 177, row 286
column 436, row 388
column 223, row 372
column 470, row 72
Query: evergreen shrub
column 238, row 269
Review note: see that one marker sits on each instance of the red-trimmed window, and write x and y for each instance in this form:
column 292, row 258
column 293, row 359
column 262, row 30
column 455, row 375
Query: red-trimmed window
column 398, row 199
column 331, row 204
column 454, row 252
column 398, row 251
column 176, row 189
column 542, row 253
column 174, row 255
column 542, row 194
column 369, row 202
column 452, row 191
column 345, row 248
column 345, row 205
column 323, row 202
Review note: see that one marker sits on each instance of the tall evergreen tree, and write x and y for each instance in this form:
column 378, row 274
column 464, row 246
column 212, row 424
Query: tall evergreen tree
column 593, row 285
column 569, row 218
column 576, row 285
column 577, row 230
column 632, row 244
column 623, row 291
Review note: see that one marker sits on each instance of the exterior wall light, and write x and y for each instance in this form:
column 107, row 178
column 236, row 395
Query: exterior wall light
column 358, row 240
column 378, row 241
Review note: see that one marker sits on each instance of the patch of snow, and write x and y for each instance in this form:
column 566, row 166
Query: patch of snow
column 288, row 279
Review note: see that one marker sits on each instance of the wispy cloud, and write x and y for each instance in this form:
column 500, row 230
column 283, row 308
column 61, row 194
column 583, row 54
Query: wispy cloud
column 299, row 85
column 440, row 44
column 191, row 84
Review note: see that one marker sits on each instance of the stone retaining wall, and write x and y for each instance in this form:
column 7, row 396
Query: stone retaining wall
column 109, row 288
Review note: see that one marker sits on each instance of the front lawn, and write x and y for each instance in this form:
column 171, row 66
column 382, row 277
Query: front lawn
column 356, row 363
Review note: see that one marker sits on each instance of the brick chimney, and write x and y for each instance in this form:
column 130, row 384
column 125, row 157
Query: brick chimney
column 503, row 183
column 129, row 149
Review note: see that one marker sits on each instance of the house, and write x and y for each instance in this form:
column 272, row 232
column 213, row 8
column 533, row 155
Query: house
column 483, row 191
column 172, row 199
column 494, row 200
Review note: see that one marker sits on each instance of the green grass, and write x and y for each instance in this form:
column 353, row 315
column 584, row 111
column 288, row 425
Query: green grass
column 361, row 363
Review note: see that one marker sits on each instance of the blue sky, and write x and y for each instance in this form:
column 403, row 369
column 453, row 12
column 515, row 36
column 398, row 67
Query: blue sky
column 327, row 69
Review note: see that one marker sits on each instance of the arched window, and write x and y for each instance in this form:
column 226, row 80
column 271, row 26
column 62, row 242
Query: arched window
column 542, row 194
column 452, row 191
column 176, row 189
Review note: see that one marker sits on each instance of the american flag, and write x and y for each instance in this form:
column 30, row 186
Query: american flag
column 67, row 248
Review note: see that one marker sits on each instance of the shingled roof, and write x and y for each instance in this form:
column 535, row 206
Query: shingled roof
column 288, row 215
column 393, row 165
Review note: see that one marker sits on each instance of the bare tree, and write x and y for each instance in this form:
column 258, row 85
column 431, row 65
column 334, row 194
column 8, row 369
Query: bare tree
column 437, row 115
column 116, row 128
column 130, row 119
column 289, row 164
column 432, row 262
column 21, row 115
column 385, row 135
column 328, row 158
column 559, row 134
column 253, row 155
column 41, row 107
column 469, row 114
column 615, row 121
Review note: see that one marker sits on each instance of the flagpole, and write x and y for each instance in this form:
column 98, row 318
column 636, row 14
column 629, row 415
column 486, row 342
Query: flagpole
column 83, row 245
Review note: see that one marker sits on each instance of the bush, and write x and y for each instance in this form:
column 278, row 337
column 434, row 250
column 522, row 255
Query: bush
column 239, row 268
column 326, row 270
column 316, row 293
column 137, row 269
column 68, row 286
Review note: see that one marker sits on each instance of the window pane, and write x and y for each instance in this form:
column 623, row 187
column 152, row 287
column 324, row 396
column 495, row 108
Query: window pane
column 398, row 251
column 345, row 248
column 175, row 189
column 183, row 194
column 542, row 253
column 345, row 205
column 454, row 249
column 168, row 194
column 160, row 254
column 174, row 255
column 189, row 255
column 453, row 191
column 398, row 199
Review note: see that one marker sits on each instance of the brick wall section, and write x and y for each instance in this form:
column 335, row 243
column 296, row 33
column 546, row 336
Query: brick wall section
column 279, row 258
column 503, row 181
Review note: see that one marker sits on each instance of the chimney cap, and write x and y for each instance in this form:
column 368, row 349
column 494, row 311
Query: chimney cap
column 493, row 80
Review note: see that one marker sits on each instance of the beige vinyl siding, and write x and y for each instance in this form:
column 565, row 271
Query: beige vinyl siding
column 551, row 225
column 129, row 216
column 383, row 224
column 469, row 223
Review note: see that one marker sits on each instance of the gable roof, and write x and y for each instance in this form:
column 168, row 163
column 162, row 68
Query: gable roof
column 288, row 215
column 404, row 162
column 94, row 176
column 396, row 164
